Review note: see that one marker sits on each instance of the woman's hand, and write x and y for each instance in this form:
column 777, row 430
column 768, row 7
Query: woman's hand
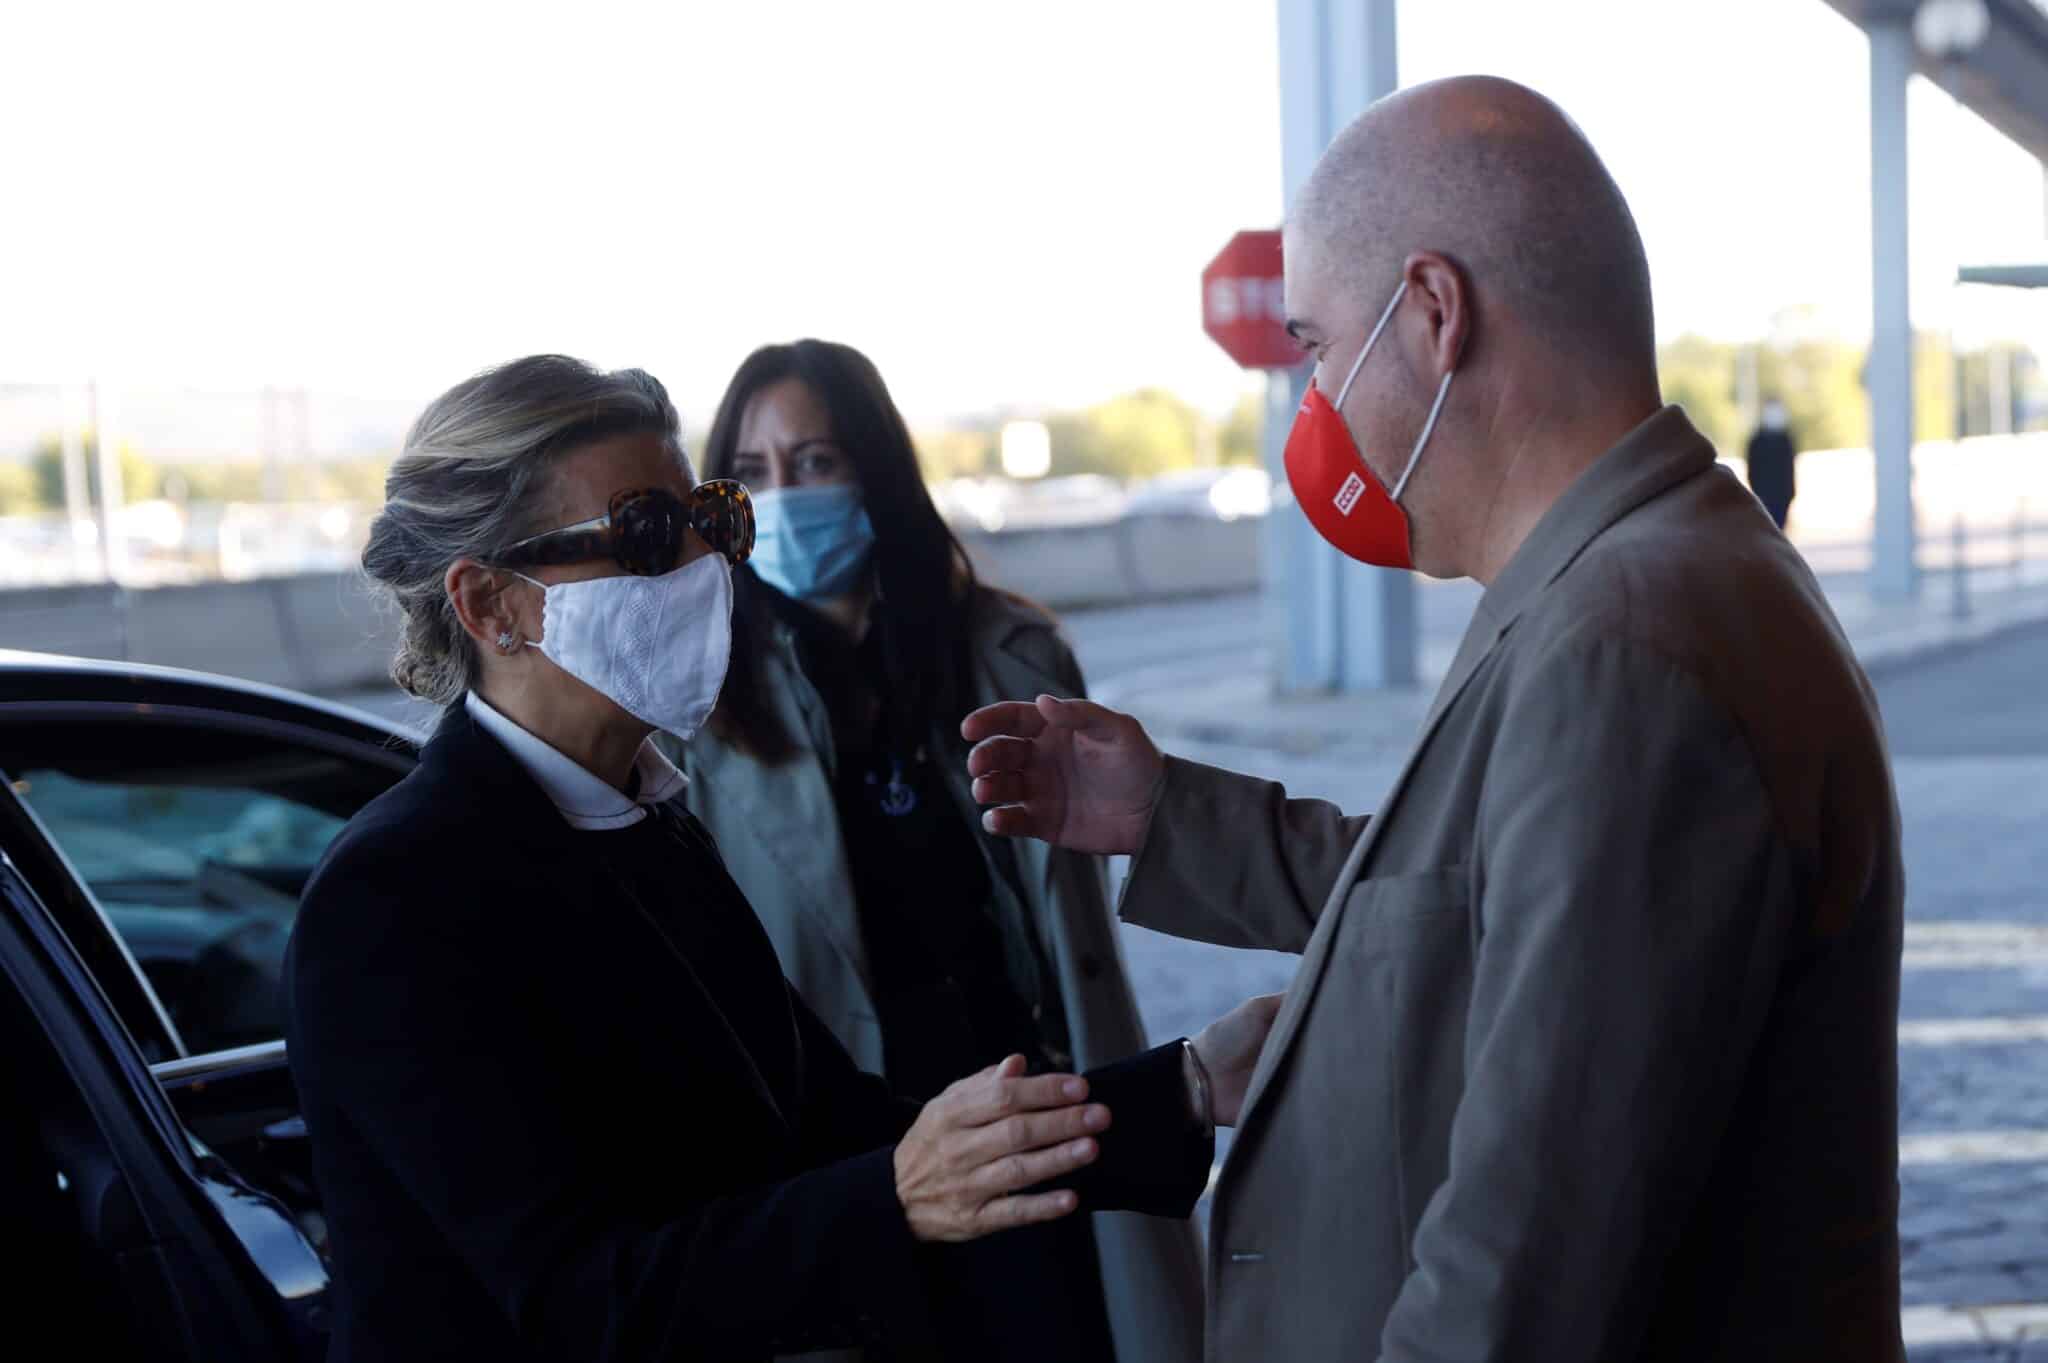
column 961, row 1165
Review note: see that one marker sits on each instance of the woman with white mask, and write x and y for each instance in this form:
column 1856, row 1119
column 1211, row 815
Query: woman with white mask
column 561, row 1099
column 833, row 775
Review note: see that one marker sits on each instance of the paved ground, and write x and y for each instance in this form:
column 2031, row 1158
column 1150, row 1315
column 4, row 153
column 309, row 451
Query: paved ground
column 1970, row 734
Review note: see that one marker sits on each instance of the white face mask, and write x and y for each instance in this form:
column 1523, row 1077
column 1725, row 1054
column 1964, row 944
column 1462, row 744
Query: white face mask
column 658, row 646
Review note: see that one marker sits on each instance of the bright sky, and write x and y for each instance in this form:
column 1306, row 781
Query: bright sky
column 1006, row 204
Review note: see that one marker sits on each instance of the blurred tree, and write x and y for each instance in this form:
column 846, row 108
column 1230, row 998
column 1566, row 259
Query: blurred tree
column 1242, row 437
column 337, row 480
column 956, row 452
column 1134, row 435
column 1077, row 446
column 19, row 493
column 241, row 480
column 357, row 480
column 1151, row 431
column 1934, row 389
column 1820, row 382
column 140, row 479
column 1699, row 375
column 220, row 480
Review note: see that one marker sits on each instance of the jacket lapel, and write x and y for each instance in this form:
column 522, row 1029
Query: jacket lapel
column 1480, row 637
column 477, row 769
column 789, row 808
column 1659, row 454
column 746, row 1062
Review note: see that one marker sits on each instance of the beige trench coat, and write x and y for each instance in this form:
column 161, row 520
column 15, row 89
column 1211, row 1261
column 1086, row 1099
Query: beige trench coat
column 779, row 832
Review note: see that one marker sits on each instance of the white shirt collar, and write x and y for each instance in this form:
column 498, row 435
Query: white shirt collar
column 586, row 801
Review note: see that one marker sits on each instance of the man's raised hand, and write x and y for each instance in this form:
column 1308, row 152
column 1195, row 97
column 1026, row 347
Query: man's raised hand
column 1068, row 772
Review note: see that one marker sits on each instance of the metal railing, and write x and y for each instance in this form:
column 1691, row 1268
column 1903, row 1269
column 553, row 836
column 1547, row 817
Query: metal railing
column 1965, row 558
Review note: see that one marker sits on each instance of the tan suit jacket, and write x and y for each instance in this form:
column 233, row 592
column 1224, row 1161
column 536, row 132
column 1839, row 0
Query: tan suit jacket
column 1593, row 1050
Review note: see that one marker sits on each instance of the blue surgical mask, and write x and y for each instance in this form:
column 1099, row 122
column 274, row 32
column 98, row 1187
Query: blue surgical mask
column 812, row 543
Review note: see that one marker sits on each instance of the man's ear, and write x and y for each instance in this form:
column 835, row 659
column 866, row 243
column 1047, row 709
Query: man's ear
column 1444, row 292
column 484, row 605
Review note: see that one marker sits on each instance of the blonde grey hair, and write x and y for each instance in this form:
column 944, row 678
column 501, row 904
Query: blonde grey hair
column 474, row 476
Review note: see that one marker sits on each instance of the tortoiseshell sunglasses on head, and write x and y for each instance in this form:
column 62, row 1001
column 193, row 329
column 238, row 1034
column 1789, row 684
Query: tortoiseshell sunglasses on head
column 643, row 531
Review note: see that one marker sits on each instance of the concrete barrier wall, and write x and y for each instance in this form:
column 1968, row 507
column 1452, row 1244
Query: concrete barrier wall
column 318, row 632
column 86, row 620
column 1139, row 559
column 324, row 632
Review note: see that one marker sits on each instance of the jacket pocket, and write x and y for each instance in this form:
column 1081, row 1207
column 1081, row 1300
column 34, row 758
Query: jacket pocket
column 1383, row 912
column 1410, row 941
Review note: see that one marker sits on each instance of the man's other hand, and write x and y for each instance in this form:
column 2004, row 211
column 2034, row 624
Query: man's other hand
column 1229, row 1048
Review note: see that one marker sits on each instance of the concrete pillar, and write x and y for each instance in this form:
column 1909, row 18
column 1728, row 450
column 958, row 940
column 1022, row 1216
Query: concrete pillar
column 1333, row 624
column 1297, row 638
column 1894, row 575
column 1998, row 382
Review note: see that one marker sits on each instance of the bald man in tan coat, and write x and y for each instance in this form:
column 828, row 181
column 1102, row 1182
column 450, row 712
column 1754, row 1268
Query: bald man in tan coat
column 1593, row 1053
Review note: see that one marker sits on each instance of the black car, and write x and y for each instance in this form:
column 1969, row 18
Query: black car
column 156, row 828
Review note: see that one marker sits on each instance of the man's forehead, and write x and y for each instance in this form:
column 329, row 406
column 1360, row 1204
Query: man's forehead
column 1305, row 264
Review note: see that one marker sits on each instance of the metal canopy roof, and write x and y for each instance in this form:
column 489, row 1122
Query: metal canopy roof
column 2003, row 78
column 2012, row 276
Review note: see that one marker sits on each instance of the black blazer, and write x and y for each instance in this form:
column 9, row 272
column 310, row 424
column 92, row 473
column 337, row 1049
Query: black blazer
column 538, row 1132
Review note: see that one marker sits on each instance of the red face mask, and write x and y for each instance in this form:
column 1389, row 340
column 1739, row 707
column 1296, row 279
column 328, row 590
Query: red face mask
column 1341, row 497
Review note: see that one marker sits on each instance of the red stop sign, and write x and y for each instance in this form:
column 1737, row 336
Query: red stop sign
column 1243, row 305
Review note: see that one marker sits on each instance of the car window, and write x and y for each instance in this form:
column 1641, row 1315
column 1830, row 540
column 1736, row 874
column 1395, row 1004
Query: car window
column 127, row 838
column 197, row 852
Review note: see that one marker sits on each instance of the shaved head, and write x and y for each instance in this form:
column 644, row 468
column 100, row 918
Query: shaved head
column 1465, row 230
column 1495, row 177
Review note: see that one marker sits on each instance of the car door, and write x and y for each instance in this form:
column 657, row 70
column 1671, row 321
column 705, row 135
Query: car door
column 169, row 841
column 121, row 1231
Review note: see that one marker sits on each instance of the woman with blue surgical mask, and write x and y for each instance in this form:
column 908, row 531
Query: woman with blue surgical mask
column 834, row 779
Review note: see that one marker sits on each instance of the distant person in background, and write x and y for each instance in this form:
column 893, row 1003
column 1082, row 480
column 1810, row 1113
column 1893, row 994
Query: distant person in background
column 1770, row 462
column 833, row 776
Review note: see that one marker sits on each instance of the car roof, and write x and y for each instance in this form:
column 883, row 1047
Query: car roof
column 30, row 678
